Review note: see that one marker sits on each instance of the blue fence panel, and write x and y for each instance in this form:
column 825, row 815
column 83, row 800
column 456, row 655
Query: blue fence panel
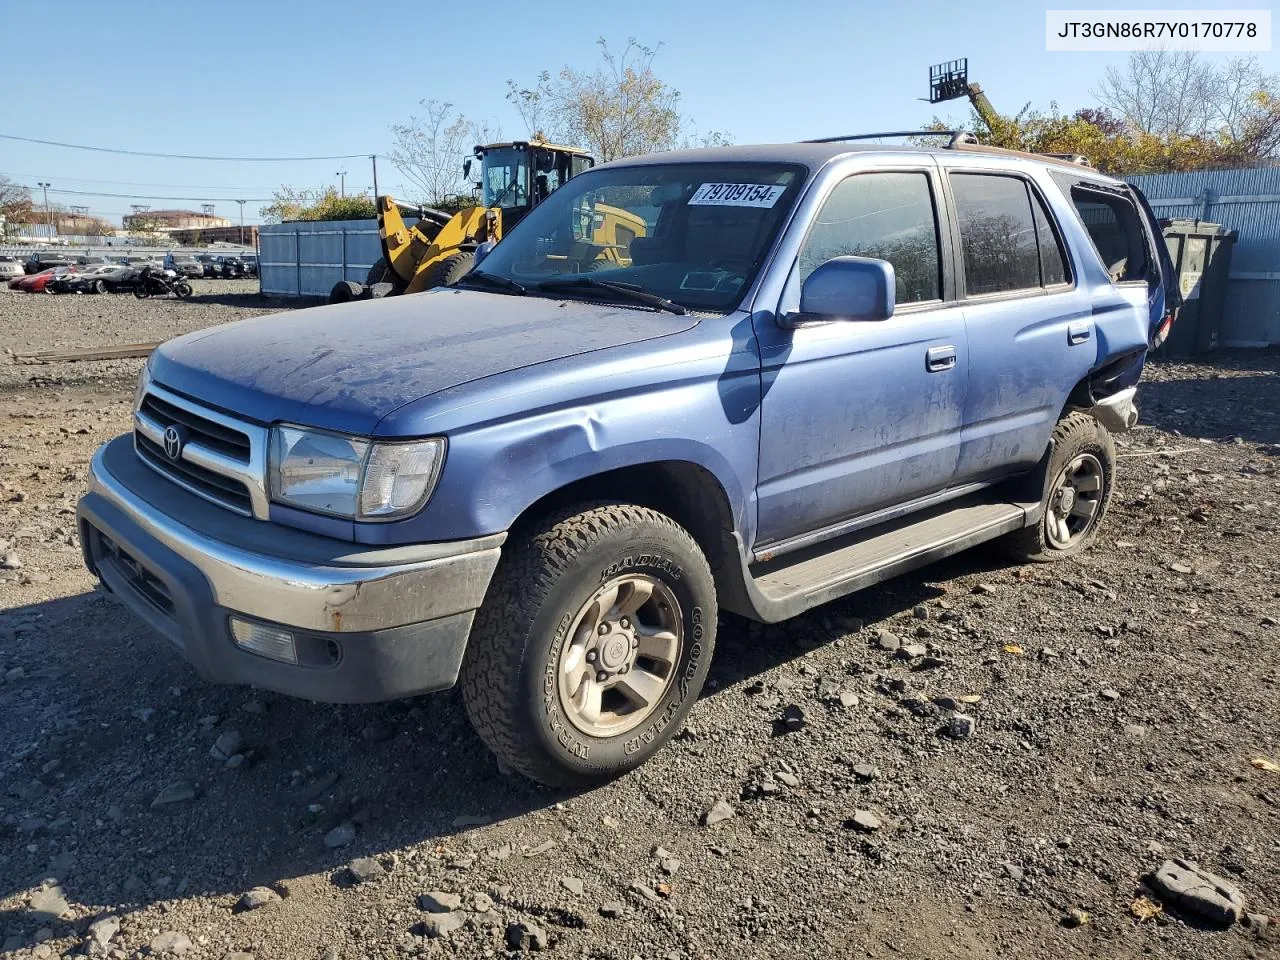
column 306, row 258
column 1248, row 202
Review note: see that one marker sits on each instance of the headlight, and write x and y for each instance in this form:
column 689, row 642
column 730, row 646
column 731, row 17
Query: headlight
column 352, row 477
column 144, row 381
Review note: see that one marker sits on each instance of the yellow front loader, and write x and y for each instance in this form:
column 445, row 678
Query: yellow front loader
column 514, row 178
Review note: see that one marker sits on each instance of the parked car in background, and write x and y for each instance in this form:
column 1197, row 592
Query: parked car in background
column 250, row 266
column 108, row 278
column 38, row 282
column 39, row 262
column 10, row 267
column 190, row 268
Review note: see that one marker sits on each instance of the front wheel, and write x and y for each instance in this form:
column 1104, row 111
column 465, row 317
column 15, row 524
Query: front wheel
column 182, row 289
column 1079, row 481
column 140, row 291
column 592, row 644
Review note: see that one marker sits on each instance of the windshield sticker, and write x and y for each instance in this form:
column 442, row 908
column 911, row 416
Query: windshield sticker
column 736, row 195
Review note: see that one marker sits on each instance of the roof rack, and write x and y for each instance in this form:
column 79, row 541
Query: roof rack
column 960, row 140
column 1077, row 158
column 878, row 136
column 957, row 136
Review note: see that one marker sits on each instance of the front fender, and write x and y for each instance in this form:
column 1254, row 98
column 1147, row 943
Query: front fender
column 495, row 473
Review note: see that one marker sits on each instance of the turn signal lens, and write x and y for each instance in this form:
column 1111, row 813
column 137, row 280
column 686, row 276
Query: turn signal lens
column 263, row 640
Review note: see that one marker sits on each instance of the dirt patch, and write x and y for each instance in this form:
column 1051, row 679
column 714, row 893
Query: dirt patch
column 1122, row 702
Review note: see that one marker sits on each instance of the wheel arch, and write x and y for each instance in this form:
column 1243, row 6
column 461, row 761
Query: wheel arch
column 687, row 492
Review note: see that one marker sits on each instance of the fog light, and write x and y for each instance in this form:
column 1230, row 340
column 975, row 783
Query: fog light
column 266, row 641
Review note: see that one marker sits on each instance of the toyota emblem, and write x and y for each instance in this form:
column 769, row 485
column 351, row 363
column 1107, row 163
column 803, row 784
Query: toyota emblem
column 173, row 442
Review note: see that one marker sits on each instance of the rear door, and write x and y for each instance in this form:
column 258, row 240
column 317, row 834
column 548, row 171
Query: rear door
column 1029, row 324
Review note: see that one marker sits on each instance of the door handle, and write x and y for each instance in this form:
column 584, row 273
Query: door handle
column 1079, row 332
column 938, row 359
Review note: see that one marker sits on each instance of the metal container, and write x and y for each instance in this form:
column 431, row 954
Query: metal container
column 1201, row 254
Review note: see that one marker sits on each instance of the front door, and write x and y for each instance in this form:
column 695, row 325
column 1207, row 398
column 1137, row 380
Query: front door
column 862, row 415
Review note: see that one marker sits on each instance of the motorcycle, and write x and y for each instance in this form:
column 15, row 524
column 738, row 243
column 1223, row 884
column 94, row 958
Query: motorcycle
column 153, row 283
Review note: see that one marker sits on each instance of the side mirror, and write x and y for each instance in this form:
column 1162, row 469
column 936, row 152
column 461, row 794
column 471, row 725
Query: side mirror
column 847, row 288
column 466, row 169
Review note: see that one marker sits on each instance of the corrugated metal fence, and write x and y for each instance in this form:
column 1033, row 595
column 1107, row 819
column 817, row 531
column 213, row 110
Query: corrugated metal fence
column 1247, row 201
column 306, row 258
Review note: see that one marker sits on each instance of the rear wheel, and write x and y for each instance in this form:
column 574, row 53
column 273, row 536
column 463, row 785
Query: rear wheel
column 100, row 286
column 592, row 644
column 1078, row 484
column 140, row 291
column 449, row 269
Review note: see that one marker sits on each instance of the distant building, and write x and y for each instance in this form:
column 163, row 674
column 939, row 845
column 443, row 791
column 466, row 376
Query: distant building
column 167, row 221
column 202, row 235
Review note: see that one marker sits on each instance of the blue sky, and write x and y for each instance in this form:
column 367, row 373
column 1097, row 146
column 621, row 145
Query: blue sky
column 321, row 78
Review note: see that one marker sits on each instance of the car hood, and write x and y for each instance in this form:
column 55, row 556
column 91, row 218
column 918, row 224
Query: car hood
column 346, row 366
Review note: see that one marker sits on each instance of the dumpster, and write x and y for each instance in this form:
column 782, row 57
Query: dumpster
column 1201, row 255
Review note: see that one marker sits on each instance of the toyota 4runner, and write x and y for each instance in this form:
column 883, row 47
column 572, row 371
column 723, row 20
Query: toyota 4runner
column 800, row 370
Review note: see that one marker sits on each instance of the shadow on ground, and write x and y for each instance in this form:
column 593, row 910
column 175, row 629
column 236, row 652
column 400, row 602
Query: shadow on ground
column 1238, row 398
column 86, row 758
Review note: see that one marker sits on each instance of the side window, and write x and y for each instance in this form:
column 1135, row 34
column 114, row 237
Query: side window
column 1115, row 227
column 997, row 233
column 1116, row 234
column 1053, row 262
column 888, row 216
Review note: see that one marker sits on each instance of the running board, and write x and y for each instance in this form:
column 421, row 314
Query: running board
column 788, row 586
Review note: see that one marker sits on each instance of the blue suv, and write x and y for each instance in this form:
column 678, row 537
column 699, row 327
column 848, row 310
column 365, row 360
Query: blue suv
column 746, row 379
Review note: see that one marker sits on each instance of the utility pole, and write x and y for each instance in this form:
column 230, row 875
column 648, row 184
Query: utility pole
column 374, row 158
column 342, row 189
column 48, row 213
column 241, row 202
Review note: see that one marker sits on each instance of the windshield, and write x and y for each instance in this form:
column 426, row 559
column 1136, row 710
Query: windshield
column 506, row 177
column 693, row 233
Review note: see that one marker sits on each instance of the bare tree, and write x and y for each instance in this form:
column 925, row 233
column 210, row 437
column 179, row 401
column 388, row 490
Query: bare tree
column 1178, row 94
column 619, row 109
column 15, row 202
column 430, row 149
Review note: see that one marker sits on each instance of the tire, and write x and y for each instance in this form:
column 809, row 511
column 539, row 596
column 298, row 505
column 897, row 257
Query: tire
column 344, row 291
column 100, row 286
column 380, row 272
column 537, row 619
column 140, row 291
column 1080, row 452
column 449, row 269
column 182, row 289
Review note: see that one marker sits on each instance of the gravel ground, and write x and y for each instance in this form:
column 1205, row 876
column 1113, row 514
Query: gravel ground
column 33, row 323
column 1122, row 706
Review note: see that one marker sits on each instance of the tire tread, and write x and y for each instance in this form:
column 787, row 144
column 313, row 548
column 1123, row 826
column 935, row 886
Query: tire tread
column 529, row 569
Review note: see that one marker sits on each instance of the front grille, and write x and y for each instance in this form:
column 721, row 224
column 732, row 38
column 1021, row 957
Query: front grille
column 215, row 436
column 223, row 490
column 148, row 587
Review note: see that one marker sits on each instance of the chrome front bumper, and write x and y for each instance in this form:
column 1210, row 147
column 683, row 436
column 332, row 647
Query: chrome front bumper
column 374, row 623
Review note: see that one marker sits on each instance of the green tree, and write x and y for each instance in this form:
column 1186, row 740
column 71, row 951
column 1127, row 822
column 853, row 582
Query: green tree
column 325, row 204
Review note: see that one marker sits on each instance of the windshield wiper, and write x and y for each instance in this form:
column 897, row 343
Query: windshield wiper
column 492, row 280
column 630, row 291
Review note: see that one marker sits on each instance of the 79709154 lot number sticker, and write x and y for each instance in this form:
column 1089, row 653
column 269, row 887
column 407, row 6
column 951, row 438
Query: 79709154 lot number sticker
column 736, row 195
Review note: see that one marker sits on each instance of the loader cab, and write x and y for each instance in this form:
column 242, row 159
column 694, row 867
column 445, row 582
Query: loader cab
column 516, row 177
